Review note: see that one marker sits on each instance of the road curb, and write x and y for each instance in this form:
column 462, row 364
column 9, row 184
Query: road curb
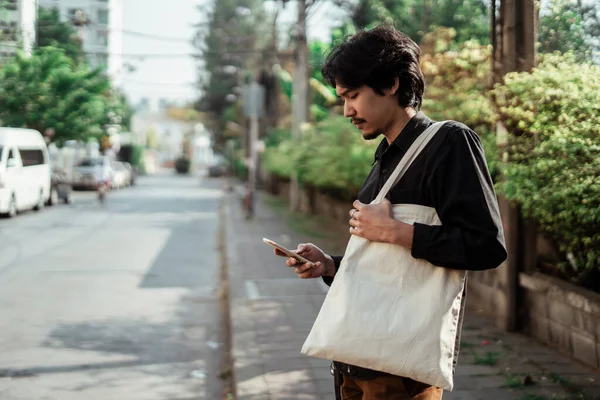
column 227, row 363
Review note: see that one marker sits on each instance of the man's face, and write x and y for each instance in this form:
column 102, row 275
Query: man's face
column 370, row 112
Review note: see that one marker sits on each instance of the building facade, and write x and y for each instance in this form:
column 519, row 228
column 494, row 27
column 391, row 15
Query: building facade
column 102, row 37
column 17, row 26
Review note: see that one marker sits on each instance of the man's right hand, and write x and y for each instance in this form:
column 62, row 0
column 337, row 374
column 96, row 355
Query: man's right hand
column 324, row 265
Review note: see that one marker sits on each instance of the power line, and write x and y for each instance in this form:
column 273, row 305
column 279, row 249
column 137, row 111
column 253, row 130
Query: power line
column 151, row 36
column 131, row 55
column 132, row 33
column 167, row 55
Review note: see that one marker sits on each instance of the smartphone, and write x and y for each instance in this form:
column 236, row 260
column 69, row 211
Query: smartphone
column 288, row 252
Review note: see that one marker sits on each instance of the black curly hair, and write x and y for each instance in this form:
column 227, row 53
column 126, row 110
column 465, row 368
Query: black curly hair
column 375, row 58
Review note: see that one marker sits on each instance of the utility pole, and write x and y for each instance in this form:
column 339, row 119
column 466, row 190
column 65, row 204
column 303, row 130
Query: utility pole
column 494, row 41
column 254, row 100
column 516, row 52
column 425, row 7
column 274, row 95
column 299, row 96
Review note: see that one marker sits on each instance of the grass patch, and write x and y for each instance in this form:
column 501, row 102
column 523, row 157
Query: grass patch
column 488, row 358
column 569, row 386
column 466, row 345
column 276, row 203
column 512, row 381
column 302, row 224
column 312, row 226
column 306, row 225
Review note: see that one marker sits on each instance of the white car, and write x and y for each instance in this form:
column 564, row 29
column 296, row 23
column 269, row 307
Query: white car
column 25, row 177
column 91, row 171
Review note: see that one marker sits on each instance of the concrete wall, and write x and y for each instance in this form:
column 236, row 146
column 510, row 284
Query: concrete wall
column 484, row 289
column 562, row 315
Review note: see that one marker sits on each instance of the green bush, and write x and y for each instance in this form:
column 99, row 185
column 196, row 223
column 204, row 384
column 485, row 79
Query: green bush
column 137, row 158
column 278, row 159
column 553, row 163
column 239, row 166
column 276, row 136
column 278, row 151
column 331, row 155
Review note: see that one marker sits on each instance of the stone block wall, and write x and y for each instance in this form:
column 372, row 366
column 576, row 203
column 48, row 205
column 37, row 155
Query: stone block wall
column 484, row 290
column 562, row 315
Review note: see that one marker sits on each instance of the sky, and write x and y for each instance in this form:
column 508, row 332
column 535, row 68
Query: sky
column 173, row 77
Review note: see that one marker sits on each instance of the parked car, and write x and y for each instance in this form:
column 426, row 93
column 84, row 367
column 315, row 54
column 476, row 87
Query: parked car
column 218, row 166
column 61, row 187
column 24, row 171
column 91, row 171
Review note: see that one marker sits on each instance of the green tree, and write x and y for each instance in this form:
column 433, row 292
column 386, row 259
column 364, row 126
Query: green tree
column 48, row 90
column 416, row 18
column 52, row 32
column 567, row 25
column 227, row 46
column 117, row 103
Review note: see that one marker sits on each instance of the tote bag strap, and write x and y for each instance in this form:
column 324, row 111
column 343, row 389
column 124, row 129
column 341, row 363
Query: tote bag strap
column 412, row 153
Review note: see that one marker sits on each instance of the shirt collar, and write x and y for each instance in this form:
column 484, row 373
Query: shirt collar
column 407, row 136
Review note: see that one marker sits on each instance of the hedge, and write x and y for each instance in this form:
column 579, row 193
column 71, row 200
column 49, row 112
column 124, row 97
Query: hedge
column 553, row 165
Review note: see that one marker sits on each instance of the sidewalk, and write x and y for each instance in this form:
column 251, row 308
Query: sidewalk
column 272, row 312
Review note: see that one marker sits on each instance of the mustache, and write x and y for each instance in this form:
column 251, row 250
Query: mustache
column 357, row 120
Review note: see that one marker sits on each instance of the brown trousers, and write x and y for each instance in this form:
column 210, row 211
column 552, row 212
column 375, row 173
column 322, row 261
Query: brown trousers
column 388, row 387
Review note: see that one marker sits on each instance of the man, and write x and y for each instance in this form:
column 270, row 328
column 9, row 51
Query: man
column 377, row 75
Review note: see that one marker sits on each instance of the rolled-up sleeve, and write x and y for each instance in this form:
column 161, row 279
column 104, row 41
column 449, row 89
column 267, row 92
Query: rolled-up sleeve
column 337, row 260
column 471, row 235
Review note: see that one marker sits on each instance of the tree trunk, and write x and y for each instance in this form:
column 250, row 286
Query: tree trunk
column 519, row 21
column 424, row 17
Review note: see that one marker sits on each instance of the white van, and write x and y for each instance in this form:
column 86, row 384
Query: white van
column 24, row 171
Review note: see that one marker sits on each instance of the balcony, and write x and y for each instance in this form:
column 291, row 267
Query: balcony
column 8, row 31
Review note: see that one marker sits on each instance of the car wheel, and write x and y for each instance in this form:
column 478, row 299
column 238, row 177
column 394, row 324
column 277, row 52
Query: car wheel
column 12, row 207
column 53, row 200
column 41, row 202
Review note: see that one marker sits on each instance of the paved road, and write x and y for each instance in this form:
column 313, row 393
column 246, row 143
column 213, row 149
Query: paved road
column 114, row 301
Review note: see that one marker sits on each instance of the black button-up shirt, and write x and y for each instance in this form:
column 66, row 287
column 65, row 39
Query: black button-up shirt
column 450, row 175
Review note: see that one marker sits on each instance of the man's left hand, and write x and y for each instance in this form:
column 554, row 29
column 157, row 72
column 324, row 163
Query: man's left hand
column 374, row 222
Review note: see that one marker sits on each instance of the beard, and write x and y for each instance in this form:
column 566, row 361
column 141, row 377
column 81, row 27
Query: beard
column 371, row 135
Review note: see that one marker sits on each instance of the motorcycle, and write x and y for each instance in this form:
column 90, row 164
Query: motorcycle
column 103, row 188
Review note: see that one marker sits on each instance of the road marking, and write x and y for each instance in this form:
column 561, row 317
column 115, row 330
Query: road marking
column 252, row 290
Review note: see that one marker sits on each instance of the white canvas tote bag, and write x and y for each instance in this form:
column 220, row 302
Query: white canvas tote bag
column 388, row 311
